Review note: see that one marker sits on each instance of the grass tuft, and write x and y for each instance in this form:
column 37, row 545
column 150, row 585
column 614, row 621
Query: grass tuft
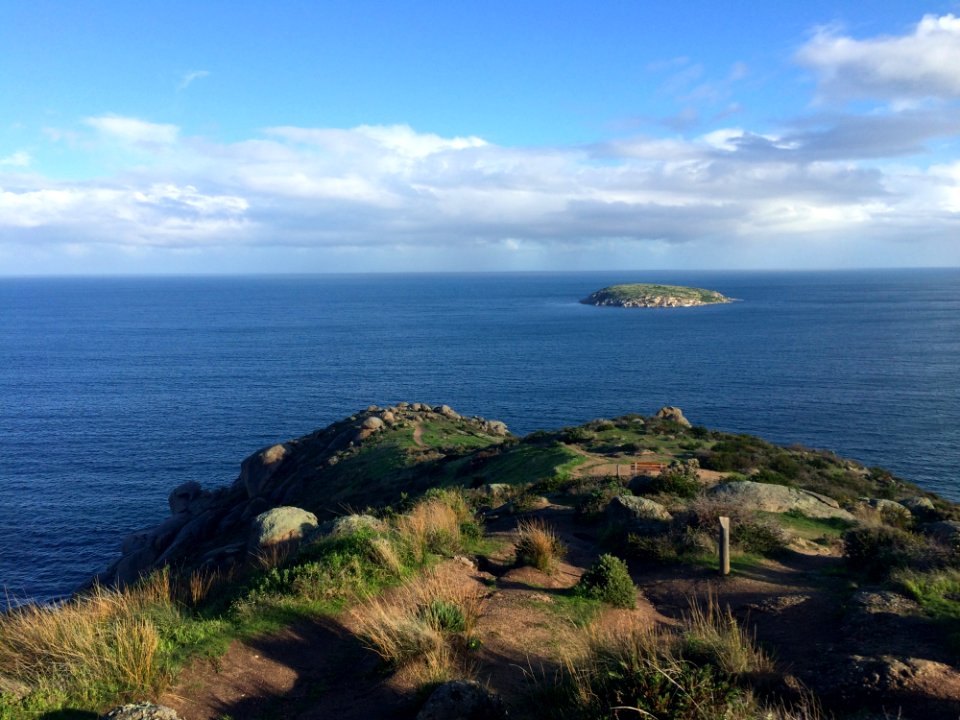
column 427, row 623
column 538, row 545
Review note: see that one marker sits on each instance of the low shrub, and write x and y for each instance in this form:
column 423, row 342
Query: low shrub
column 754, row 536
column 608, row 580
column 593, row 500
column 538, row 545
column 878, row 550
column 678, row 544
column 681, row 478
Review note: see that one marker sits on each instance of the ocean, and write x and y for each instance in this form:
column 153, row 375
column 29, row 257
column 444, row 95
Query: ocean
column 115, row 390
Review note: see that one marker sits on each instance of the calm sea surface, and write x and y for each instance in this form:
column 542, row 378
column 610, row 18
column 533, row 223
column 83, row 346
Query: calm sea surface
column 113, row 391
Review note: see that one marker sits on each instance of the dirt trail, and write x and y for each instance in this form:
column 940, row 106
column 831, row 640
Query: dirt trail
column 320, row 669
column 418, row 435
column 794, row 605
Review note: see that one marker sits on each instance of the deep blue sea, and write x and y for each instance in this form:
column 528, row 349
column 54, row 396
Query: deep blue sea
column 113, row 391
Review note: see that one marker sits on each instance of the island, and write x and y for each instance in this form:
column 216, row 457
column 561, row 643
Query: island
column 651, row 295
column 387, row 561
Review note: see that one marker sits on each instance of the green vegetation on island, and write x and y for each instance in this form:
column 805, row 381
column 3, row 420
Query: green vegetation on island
column 569, row 573
column 649, row 295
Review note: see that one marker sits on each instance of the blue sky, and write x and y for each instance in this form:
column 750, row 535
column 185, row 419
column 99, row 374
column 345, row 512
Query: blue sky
column 213, row 137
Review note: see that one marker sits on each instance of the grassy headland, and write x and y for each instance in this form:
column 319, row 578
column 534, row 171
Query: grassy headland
column 572, row 571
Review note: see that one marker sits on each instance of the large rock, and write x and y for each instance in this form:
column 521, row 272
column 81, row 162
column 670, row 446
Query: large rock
column 946, row 531
column 447, row 412
column 257, row 469
column 496, row 427
column 673, row 413
column 887, row 508
column 919, row 506
column 462, row 700
column 751, row 495
column 637, row 512
column 372, row 423
column 281, row 525
column 187, row 498
column 142, row 711
column 349, row 525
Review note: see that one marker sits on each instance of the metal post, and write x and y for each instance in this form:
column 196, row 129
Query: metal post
column 724, row 546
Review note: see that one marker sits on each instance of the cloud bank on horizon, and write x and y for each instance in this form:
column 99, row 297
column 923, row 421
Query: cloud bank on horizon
column 866, row 175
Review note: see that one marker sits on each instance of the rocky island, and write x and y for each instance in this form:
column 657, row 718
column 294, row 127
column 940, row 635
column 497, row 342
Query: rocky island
column 650, row 295
column 412, row 562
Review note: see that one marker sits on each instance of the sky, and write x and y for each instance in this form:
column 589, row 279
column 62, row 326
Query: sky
column 292, row 137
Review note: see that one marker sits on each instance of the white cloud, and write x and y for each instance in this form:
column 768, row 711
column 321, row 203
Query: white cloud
column 190, row 76
column 915, row 66
column 134, row 131
column 18, row 159
column 373, row 189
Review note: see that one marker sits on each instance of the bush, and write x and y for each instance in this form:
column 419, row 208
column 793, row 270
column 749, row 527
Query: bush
column 681, row 479
column 876, row 551
column 757, row 537
column 591, row 505
column 538, row 545
column 608, row 580
column 675, row 546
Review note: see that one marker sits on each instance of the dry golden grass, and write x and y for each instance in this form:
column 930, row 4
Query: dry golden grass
column 423, row 625
column 538, row 545
column 432, row 525
column 714, row 635
column 104, row 639
column 384, row 554
column 608, row 670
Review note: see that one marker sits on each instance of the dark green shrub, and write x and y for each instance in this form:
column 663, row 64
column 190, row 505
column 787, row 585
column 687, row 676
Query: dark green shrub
column 771, row 477
column 680, row 479
column 876, row 551
column 608, row 580
column 699, row 432
column 787, row 465
column 591, row 504
column 575, row 435
column 757, row 537
column 675, row 546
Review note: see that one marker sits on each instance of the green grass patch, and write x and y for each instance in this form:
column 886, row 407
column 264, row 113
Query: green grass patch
column 530, row 463
column 438, row 434
column 575, row 609
column 938, row 594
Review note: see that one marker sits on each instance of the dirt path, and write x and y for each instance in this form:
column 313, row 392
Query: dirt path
column 797, row 606
column 418, row 435
column 320, row 669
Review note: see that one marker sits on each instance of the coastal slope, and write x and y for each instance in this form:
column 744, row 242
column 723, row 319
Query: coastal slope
column 354, row 571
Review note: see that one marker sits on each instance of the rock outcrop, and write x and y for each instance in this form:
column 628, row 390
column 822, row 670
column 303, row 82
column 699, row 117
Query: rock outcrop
column 283, row 491
column 637, row 513
column 669, row 412
column 751, row 495
column 462, row 700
